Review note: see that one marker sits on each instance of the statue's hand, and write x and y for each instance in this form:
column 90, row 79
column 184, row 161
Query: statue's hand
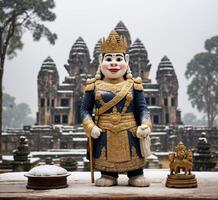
column 143, row 131
column 96, row 132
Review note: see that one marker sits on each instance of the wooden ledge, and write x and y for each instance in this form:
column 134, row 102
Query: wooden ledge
column 13, row 186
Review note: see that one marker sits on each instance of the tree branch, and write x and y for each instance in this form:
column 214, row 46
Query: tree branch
column 14, row 14
column 5, row 44
column 28, row 16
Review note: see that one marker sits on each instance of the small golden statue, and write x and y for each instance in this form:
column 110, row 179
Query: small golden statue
column 181, row 160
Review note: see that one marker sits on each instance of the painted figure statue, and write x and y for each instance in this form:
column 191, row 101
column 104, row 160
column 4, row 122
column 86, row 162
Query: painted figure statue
column 121, row 124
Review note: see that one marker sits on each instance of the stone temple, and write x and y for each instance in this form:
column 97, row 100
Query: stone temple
column 60, row 103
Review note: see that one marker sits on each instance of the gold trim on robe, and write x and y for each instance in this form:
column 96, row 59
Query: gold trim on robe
column 118, row 146
column 90, row 84
column 109, row 87
column 117, row 98
column 105, row 165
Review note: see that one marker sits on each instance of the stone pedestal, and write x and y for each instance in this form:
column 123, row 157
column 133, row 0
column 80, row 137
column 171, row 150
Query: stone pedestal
column 181, row 181
column 21, row 161
column 203, row 158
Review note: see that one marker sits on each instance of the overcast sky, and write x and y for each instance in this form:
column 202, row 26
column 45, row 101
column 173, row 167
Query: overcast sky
column 174, row 28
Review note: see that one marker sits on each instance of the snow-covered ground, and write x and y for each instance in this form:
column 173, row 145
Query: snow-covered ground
column 59, row 153
column 14, row 185
column 155, row 175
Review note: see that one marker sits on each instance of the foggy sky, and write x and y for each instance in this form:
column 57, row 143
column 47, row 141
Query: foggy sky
column 174, row 28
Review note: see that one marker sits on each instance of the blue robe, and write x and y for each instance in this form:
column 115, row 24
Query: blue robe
column 117, row 149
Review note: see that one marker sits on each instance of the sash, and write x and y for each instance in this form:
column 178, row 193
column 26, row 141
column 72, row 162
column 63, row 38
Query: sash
column 123, row 92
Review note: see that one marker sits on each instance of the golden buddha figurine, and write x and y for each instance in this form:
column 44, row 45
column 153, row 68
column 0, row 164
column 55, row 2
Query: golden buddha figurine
column 121, row 125
column 181, row 160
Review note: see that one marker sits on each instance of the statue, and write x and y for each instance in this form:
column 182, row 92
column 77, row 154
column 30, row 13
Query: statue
column 22, row 151
column 203, row 159
column 119, row 132
column 21, row 161
column 181, row 160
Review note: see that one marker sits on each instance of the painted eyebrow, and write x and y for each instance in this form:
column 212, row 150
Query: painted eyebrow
column 108, row 55
column 119, row 55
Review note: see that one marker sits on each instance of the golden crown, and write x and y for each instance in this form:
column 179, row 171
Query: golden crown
column 114, row 43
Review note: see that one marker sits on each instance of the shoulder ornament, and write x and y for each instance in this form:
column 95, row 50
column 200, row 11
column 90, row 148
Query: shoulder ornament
column 138, row 84
column 90, row 84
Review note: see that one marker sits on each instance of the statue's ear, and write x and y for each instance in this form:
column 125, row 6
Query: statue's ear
column 100, row 58
column 127, row 58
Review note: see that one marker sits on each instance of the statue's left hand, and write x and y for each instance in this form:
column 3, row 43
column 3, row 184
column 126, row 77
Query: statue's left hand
column 143, row 131
column 96, row 132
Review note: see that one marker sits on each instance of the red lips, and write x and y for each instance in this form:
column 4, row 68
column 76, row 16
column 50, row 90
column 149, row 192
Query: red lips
column 113, row 70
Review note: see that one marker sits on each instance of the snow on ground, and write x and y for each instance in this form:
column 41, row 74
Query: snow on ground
column 49, row 153
column 154, row 175
column 11, row 158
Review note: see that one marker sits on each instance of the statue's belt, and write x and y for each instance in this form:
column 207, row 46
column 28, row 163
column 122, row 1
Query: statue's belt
column 116, row 122
column 116, row 99
column 116, row 127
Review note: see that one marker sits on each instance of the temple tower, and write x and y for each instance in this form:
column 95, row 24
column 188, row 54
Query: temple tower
column 97, row 51
column 139, row 62
column 48, row 81
column 122, row 30
column 167, row 79
column 79, row 59
column 79, row 68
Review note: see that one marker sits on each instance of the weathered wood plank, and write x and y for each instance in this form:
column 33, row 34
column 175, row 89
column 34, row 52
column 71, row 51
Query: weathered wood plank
column 13, row 186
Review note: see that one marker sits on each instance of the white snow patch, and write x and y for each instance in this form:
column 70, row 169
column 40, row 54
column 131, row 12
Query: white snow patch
column 152, row 157
column 47, row 170
column 57, row 153
column 151, row 90
column 154, row 107
column 79, row 139
column 11, row 158
column 74, row 133
column 65, row 91
column 62, row 107
column 66, row 84
column 158, row 133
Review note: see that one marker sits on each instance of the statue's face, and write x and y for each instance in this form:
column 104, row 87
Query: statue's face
column 181, row 154
column 114, row 65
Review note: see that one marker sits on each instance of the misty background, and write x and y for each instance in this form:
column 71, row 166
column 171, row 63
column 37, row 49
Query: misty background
column 177, row 29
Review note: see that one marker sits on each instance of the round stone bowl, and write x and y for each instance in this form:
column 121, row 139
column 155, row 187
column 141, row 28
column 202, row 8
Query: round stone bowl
column 47, row 177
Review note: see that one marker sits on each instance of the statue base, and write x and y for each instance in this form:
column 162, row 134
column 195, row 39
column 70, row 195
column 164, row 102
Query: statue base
column 181, row 181
column 46, row 182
